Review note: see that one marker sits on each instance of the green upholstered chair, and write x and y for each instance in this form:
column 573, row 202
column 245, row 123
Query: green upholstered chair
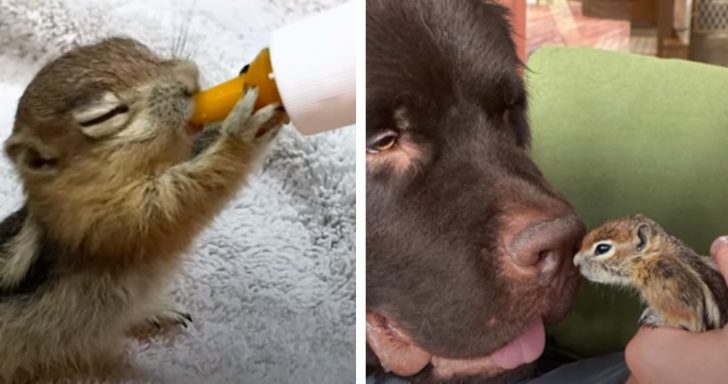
column 620, row 134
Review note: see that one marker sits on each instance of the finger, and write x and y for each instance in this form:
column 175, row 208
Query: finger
column 718, row 244
column 669, row 356
column 719, row 252
column 651, row 350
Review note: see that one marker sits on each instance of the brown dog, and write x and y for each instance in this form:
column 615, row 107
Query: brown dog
column 468, row 246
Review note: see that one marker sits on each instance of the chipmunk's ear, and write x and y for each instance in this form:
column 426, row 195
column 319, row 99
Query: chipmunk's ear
column 638, row 217
column 643, row 236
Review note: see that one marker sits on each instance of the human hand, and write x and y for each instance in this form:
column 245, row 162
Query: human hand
column 667, row 355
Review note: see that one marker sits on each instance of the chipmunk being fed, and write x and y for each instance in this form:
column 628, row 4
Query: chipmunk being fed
column 114, row 197
column 681, row 288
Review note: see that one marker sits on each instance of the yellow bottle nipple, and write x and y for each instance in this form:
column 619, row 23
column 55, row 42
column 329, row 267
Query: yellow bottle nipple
column 214, row 104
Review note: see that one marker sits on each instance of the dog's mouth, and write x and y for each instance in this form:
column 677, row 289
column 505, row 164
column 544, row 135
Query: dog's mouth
column 523, row 349
column 399, row 354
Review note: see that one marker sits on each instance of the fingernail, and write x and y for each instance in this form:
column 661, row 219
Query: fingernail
column 718, row 245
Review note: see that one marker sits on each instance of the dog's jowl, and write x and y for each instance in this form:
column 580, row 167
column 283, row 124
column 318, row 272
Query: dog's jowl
column 468, row 245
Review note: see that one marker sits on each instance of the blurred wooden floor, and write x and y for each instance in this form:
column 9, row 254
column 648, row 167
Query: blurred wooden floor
column 562, row 24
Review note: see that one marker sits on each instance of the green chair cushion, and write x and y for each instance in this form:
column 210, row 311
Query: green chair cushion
column 620, row 134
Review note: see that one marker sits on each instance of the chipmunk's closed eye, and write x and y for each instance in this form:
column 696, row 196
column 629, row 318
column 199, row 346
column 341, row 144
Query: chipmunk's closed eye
column 602, row 248
column 382, row 142
column 103, row 116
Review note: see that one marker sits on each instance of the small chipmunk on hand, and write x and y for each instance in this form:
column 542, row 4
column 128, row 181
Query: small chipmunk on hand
column 681, row 288
column 115, row 195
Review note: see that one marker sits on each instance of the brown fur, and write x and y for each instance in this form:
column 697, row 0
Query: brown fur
column 681, row 288
column 111, row 207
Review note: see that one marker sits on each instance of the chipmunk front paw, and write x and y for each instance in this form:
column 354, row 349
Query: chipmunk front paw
column 650, row 319
column 170, row 317
column 164, row 321
column 259, row 127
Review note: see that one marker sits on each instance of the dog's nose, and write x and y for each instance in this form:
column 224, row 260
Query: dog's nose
column 543, row 247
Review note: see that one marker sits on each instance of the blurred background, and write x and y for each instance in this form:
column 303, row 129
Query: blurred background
column 689, row 29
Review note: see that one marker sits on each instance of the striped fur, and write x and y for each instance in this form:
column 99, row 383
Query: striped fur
column 681, row 288
column 109, row 212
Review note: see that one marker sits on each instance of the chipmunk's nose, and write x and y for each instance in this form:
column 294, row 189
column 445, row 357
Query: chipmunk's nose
column 543, row 247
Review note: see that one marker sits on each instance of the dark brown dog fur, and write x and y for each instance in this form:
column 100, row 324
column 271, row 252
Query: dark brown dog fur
column 443, row 78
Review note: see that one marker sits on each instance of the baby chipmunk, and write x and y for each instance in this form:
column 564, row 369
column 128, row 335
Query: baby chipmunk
column 681, row 288
column 115, row 195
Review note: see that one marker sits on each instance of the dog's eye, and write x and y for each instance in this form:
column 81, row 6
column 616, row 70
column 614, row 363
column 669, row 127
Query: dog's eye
column 602, row 249
column 382, row 142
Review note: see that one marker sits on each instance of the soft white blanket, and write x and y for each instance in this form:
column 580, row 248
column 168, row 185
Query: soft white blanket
column 271, row 284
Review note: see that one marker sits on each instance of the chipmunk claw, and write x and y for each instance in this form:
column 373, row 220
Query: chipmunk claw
column 164, row 321
column 236, row 122
column 269, row 120
column 259, row 127
column 650, row 319
column 169, row 318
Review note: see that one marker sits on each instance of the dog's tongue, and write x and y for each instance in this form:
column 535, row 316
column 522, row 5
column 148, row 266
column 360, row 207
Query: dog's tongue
column 525, row 349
